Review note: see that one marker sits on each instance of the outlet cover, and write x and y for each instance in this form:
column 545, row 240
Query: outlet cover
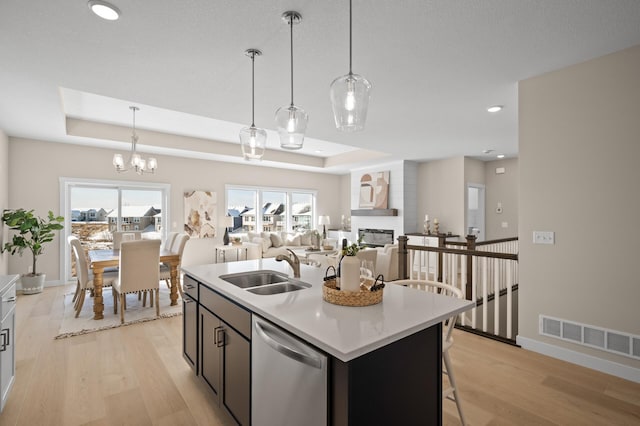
column 544, row 237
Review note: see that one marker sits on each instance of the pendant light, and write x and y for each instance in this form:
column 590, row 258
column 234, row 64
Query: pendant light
column 252, row 139
column 139, row 164
column 291, row 120
column 350, row 96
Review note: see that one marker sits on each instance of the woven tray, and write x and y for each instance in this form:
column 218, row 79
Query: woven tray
column 349, row 298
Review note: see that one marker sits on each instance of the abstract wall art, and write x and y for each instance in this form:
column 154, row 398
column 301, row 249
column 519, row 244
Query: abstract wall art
column 374, row 190
column 200, row 214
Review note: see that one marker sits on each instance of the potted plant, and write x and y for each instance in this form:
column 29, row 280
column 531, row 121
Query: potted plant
column 33, row 233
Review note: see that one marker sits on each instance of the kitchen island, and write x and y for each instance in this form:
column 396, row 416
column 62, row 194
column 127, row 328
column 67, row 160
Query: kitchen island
column 384, row 360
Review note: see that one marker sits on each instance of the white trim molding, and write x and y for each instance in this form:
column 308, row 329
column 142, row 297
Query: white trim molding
column 578, row 358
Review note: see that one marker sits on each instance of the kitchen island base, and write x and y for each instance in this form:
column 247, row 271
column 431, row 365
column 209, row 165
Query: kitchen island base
column 400, row 383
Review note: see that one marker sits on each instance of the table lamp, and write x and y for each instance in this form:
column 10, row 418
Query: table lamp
column 324, row 221
column 227, row 221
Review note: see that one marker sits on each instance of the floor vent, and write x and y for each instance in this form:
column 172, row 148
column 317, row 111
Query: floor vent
column 587, row 335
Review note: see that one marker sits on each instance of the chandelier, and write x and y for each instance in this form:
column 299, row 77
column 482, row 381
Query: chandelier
column 135, row 162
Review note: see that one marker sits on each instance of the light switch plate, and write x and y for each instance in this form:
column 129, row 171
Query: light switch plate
column 544, row 237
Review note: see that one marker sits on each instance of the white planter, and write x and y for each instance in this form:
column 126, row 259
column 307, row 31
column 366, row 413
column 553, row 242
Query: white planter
column 32, row 284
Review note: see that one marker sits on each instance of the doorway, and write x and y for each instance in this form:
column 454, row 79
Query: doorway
column 475, row 210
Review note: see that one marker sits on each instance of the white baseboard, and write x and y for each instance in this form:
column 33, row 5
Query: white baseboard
column 584, row 360
column 53, row 283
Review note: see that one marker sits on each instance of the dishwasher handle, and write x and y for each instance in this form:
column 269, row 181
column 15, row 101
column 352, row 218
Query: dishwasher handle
column 284, row 349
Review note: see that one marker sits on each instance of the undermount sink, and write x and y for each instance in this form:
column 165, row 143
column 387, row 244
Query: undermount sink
column 254, row 279
column 279, row 288
column 264, row 282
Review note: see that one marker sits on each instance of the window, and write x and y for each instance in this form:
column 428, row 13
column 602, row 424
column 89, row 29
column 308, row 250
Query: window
column 280, row 209
column 301, row 211
column 93, row 209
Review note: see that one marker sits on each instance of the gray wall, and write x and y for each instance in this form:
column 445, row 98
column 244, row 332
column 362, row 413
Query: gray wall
column 579, row 141
column 501, row 188
column 441, row 194
column 40, row 190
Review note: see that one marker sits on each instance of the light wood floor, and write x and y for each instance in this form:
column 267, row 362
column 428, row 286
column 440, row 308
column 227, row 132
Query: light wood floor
column 136, row 375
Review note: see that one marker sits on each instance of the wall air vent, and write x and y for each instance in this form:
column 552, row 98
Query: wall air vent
column 594, row 337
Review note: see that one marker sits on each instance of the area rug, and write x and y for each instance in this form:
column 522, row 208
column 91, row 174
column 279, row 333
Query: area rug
column 135, row 313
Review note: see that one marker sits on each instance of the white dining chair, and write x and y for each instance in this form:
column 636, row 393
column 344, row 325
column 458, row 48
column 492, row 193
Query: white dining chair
column 138, row 272
column 171, row 237
column 83, row 275
column 177, row 247
column 451, row 392
column 119, row 236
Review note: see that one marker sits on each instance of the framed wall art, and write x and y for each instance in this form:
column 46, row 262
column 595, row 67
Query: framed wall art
column 374, row 190
column 200, row 214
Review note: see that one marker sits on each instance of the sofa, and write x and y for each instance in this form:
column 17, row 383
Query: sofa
column 387, row 262
column 271, row 244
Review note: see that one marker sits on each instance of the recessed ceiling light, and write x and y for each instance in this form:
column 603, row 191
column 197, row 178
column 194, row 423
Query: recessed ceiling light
column 318, row 151
column 487, row 151
column 495, row 108
column 104, row 10
column 500, row 155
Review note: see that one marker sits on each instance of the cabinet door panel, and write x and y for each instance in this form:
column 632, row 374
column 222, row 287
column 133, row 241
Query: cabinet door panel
column 7, row 357
column 210, row 354
column 237, row 376
column 190, row 331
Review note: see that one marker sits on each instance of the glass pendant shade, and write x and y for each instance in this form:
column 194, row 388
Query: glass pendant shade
column 291, row 122
column 118, row 161
column 350, row 99
column 253, row 141
column 350, row 94
column 152, row 164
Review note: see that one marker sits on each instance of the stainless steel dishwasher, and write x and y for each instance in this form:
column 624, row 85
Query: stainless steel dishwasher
column 288, row 378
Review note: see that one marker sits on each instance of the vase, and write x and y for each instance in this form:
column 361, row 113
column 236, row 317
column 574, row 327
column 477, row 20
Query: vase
column 350, row 274
column 32, row 284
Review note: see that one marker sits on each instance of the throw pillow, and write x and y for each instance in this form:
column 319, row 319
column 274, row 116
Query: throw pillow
column 276, row 241
column 293, row 240
column 264, row 244
column 305, row 239
column 267, row 237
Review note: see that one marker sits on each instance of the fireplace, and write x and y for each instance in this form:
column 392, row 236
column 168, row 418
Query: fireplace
column 375, row 237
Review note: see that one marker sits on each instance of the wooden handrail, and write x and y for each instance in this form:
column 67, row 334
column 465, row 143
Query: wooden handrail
column 478, row 253
column 482, row 243
column 469, row 251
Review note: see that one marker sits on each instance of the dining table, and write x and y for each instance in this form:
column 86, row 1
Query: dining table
column 101, row 259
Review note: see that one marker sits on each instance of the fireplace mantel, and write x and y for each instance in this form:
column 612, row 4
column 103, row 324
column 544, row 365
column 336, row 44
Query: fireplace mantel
column 375, row 212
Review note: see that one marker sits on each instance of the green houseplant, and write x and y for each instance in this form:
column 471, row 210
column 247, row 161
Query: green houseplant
column 33, row 233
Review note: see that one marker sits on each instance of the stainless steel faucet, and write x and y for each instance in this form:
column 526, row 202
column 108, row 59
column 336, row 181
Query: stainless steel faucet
column 293, row 261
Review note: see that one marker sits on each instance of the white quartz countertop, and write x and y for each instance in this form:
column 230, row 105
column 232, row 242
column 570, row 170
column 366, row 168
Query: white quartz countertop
column 342, row 331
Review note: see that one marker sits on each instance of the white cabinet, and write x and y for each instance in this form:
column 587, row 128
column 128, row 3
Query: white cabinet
column 7, row 335
column 424, row 261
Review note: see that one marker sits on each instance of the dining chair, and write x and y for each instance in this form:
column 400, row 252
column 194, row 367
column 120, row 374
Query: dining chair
column 119, row 236
column 138, row 272
column 451, row 393
column 178, row 245
column 83, row 275
column 171, row 237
